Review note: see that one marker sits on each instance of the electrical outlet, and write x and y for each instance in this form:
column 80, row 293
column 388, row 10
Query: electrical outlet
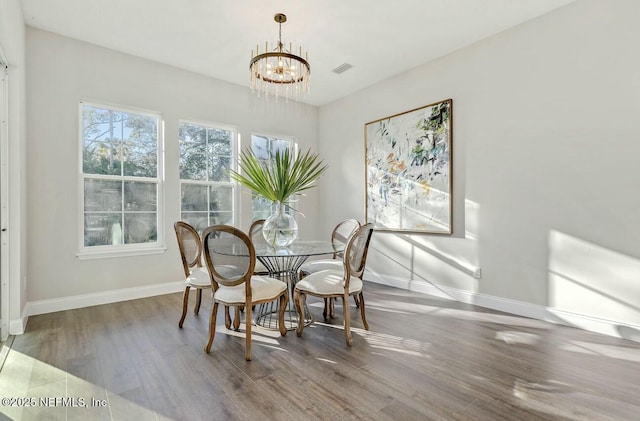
column 477, row 273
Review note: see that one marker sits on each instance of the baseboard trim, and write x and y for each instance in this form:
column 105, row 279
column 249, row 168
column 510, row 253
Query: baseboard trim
column 518, row 308
column 87, row 300
column 17, row 326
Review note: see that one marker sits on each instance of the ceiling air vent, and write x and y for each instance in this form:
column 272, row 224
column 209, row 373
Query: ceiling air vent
column 342, row 68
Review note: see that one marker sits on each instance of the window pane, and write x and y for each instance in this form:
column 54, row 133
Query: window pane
column 140, row 196
column 101, row 158
column 140, row 228
column 193, row 142
column 221, row 199
column 206, row 155
column 101, row 229
column 199, row 220
column 140, row 145
column 260, row 146
column 279, row 145
column 220, row 167
column 219, row 154
column 194, row 197
column 102, row 141
column 102, row 195
column 119, row 143
column 260, row 207
column 221, row 218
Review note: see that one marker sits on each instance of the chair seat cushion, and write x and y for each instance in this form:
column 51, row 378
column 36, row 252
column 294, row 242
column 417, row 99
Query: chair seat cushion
column 322, row 264
column 328, row 282
column 199, row 278
column 262, row 288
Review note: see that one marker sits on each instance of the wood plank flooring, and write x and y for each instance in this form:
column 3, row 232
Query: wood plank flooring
column 423, row 359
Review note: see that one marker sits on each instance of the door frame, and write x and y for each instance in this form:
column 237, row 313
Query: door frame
column 4, row 198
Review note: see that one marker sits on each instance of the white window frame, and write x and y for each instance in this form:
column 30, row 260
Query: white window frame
column 233, row 185
column 120, row 250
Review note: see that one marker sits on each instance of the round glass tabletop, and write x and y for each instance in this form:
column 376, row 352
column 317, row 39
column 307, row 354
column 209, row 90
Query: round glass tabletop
column 299, row 248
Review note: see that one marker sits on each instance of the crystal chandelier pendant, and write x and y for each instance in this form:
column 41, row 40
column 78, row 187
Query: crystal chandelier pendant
column 279, row 71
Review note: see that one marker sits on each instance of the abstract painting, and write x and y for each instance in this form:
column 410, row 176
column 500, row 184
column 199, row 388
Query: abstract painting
column 408, row 170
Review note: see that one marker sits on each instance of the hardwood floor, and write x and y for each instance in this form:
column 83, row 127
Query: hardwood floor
column 423, row 359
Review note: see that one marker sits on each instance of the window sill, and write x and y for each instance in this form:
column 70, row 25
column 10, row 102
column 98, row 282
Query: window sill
column 106, row 254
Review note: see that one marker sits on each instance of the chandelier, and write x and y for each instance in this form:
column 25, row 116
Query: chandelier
column 279, row 71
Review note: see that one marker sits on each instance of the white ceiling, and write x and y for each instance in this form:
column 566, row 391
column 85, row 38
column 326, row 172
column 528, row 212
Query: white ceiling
column 215, row 37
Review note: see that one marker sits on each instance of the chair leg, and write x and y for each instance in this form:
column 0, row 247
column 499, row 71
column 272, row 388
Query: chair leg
column 212, row 327
column 357, row 301
column 298, row 299
column 332, row 308
column 247, row 352
column 185, row 304
column 364, row 318
column 227, row 317
column 196, row 309
column 236, row 320
column 347, row 319
column 326, row 313
column 284, row 300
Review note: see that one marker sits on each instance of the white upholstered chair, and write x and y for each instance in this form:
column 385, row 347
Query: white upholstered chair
column 342, row 283
column 230, row 258
column 196, row 276
column 339, row 237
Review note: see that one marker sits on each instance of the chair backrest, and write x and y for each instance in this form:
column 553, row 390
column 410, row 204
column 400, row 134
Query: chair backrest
column 255, row 233
column 190, row 246
column 229, row 256
column 355, row 254
column 341, row 234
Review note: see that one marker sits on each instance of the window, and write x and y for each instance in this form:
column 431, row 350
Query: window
column 120, row 178
column 265, row 148
column 207, row 192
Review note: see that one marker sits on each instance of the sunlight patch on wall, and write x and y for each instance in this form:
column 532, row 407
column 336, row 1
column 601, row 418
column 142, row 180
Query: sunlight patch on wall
column 431, row 258
column 589, row 279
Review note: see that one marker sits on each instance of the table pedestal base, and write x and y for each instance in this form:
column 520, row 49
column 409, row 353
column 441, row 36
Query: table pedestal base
column 268, row 317
column 286, row 269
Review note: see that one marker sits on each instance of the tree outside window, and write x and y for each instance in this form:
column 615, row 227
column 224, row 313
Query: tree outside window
column 120, row 176
column 207, row 193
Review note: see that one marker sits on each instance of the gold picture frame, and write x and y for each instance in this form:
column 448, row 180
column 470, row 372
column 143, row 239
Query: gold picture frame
column 408, row 159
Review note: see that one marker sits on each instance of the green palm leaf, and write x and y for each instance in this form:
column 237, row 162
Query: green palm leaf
column 281, row 178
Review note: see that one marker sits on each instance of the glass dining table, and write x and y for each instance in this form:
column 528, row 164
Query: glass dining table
column 284, row 264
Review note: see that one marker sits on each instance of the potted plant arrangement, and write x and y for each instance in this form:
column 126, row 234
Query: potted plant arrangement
column 277, row 180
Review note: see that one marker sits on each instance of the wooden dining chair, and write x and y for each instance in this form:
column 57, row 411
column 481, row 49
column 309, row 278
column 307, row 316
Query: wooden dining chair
column 230, row 258
column 339, row 237
column 196, row 276
column 255, row 233
column 343, row 283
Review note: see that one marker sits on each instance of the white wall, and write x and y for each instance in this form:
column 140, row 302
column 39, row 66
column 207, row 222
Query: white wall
column 61, row 72
column 546, row 150
column 12, row 42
